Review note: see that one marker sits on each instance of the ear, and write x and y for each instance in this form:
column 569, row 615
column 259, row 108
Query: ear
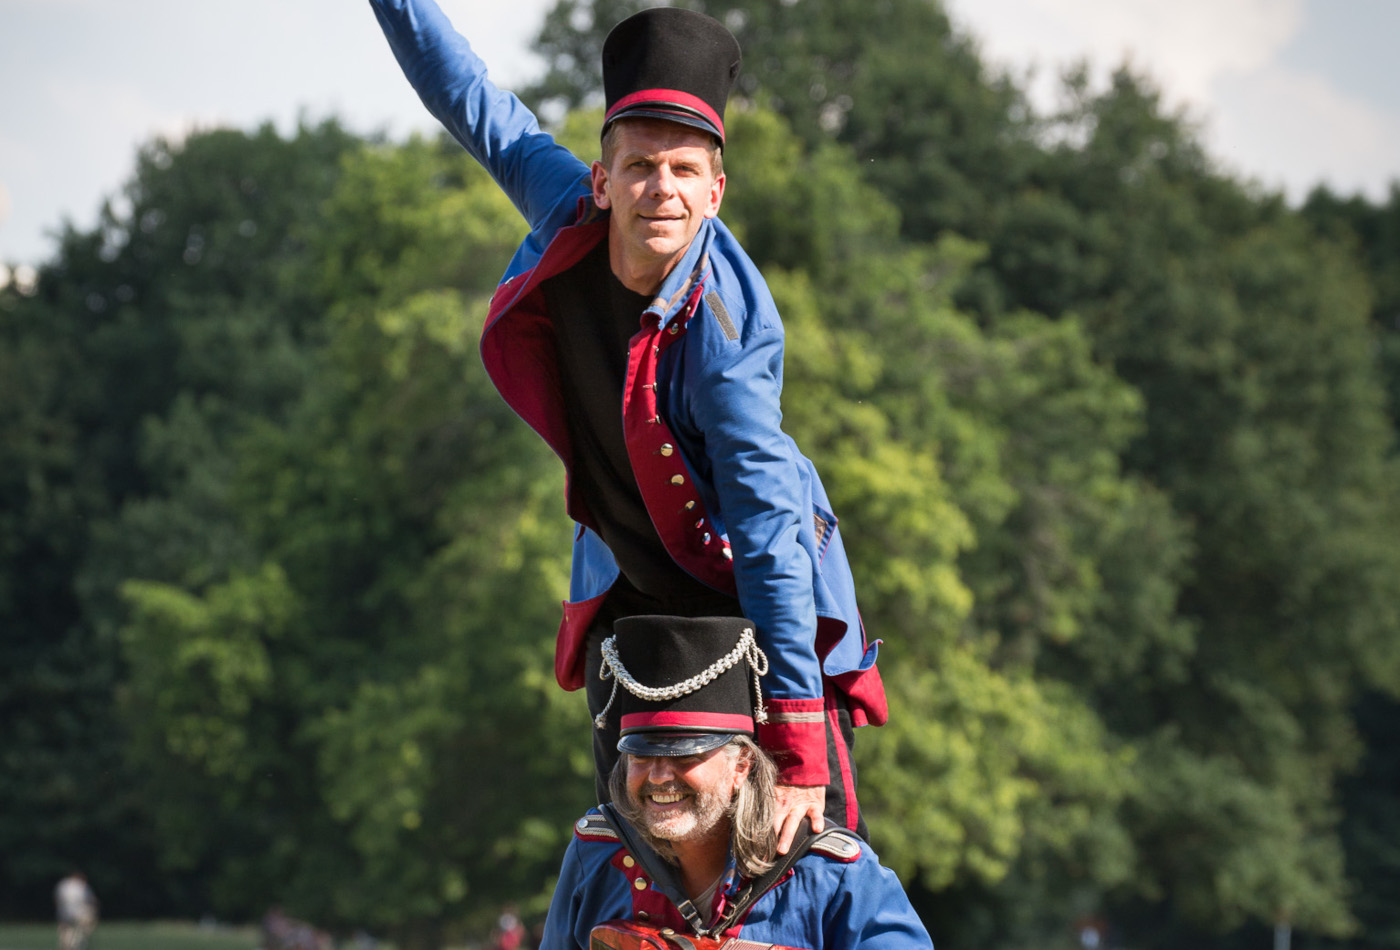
column 600, row 186
column 742, row 767
column 716, row 196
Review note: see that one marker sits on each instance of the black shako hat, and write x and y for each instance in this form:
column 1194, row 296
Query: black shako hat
column 667, row 63
column 683, row 685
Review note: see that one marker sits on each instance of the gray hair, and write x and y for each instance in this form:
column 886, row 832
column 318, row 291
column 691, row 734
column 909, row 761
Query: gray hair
column 751, row 811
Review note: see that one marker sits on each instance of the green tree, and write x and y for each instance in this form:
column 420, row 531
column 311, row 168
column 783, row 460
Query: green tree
column 1248, row 341
column 373, row 711
column 1251, row 528
column 1372, row 232
column 931, row 127
column 103, row 363
column 977, row 473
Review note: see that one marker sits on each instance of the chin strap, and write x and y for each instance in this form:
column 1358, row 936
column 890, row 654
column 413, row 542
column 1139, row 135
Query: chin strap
column 666, row 879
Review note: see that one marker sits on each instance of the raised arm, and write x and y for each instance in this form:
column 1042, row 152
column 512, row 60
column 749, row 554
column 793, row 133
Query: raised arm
column 536, row 173
column 757, row 478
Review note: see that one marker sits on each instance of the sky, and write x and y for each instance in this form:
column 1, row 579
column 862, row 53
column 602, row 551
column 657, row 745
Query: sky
column 1288, row 93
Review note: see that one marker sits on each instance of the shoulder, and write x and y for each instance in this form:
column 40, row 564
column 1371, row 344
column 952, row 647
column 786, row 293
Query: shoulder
column 838, row 845
column 592, row 854
column 593, row 827
column 837, row 859
column 736, row 297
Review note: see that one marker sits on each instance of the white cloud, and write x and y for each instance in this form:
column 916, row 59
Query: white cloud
column 1293, row 129
column 106, row 111
column 501, row 34
column 1184, row 45
column 1221, row 60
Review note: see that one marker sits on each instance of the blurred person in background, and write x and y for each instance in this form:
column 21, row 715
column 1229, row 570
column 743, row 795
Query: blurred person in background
column 76, row 905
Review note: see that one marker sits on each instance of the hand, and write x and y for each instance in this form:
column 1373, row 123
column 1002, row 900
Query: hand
column 796, row 802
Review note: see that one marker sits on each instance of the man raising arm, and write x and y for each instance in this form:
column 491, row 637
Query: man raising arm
column 633, row 333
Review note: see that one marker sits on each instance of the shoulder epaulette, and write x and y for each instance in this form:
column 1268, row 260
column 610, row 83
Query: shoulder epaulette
column 594, row 828
column 721, row 313
column 839, row 844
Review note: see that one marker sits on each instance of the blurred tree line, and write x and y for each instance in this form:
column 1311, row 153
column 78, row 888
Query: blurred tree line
column 1112, row 434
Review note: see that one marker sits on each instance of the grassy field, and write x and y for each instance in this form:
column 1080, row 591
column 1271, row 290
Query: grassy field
column 133, row 936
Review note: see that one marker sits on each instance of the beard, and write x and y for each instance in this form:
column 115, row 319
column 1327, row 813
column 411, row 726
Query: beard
column 694, row 816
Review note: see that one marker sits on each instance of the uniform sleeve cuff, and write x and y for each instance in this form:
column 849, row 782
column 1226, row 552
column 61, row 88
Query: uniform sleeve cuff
column 795, row 736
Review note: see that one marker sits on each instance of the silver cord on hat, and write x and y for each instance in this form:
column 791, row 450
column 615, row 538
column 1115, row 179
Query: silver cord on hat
column 747, row 648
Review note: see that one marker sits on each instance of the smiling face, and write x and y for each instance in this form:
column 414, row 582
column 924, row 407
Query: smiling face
column 685, row 798
column 660, row 186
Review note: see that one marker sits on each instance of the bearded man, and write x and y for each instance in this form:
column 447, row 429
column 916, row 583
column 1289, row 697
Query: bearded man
column 688, row 847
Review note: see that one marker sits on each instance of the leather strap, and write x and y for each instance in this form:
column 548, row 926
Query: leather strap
column 666, row 879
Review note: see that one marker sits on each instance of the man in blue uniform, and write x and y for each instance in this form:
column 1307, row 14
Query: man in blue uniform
column 688, row 842
column 633, row 333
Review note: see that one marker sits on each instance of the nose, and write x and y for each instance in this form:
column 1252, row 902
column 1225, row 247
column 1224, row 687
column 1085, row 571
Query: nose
column 660, row 769
column 663, row 182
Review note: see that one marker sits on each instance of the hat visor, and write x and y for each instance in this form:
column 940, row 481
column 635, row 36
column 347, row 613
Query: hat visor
column 667, row 115
column 672, row 744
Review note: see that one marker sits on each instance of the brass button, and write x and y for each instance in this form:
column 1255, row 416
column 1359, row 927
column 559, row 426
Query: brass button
column 689, row 505
column 675, row 329
column 640, row 884
column 667, row 448
column 677, row 479
column 627, row 861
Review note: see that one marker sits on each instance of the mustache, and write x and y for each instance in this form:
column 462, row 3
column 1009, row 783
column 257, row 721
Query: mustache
column 666, row 788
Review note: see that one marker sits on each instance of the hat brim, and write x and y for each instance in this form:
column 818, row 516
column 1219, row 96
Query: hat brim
column 672, row 744
column 667, row 115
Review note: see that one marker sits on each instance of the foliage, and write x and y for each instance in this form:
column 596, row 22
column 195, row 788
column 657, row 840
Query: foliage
column 1231, row 513
column 934, row 435
column 158, row 328
column 1372, row 233
column 408, row 537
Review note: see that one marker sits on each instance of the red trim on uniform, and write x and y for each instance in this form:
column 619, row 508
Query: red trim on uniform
column 665, row 483
column 519, row 353
column 648, row 903
column 798, row 748
column 569, row 643
column 664, row 97
column 678, row 719
column 863, row 689
column 865, row 696
column 843, row 759
column 600, row 837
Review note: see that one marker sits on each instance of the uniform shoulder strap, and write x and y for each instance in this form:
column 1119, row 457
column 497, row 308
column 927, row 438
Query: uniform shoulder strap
column 594, row 828
column 837, row 843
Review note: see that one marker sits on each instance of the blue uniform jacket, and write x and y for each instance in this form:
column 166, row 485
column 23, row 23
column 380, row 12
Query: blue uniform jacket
column 833, row 899
column 733, row 500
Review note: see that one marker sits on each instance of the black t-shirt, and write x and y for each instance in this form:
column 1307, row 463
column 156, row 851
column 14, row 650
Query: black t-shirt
column 594, row 317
